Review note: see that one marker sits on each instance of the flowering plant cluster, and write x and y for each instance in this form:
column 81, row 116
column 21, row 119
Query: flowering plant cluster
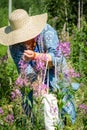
column 24, row 85
column 24, row 81
column 13, row 116
column 6, row 113
column 63, row 47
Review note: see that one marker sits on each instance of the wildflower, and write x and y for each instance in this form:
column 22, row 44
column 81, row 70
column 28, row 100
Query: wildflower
column 64, row 48
column 83, row 106
column 10, row 118
column 40, row 65
column 71, row 72
column 1, row 111
column 39, row 89
column 42, row 89
column 16, row 93
column 23, row 65
column 40, row 62
column 13, row 95
column 21, row 81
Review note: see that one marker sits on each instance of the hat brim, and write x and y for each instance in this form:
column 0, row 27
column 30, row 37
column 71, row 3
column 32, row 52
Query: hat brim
column 30, row 30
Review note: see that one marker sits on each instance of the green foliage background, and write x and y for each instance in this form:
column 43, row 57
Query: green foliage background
column 57, row 18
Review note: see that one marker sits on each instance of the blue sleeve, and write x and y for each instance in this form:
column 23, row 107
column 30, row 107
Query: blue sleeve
column 51, row 41
column 16, row 53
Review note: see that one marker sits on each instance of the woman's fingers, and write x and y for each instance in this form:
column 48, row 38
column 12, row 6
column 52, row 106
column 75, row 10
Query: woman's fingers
column 28, row 55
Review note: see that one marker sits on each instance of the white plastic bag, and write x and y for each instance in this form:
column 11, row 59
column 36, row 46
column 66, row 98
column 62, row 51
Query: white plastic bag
column 51, row 117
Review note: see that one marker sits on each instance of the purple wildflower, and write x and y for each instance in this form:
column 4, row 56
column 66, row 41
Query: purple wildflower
column 10, row 118
column 41, row 62
column 42, row 89
column 58, row 51
column 16, row 93
column 21, row 81
column 64, row 48
column 39, row 89
column 13, row 95
column 71, row 73
column 1, row 111
column 40, row 66
column 83, row 106
column 23, row 65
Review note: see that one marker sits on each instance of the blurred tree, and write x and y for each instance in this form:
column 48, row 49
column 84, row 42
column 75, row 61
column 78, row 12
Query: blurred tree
column 57, row 15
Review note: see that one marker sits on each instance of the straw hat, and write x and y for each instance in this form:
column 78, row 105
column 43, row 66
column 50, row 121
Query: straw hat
column 22, row 27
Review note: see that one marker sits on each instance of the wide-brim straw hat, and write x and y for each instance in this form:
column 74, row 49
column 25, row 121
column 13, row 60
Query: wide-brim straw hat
column 22, row 27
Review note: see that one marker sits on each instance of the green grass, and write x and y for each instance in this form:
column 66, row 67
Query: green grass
column 3, row 50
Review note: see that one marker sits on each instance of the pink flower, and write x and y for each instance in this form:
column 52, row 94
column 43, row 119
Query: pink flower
column 64, row 47
column 40, row 89
column 71, row 73
column 13, row 95
column 1, row 111
column 21, row 81
column 41, row 62
column 16, row 93
column 10, row 118
column 83, row 106
column 23, row 64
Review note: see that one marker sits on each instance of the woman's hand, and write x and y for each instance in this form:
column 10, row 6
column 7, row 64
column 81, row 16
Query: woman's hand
column 28, row 55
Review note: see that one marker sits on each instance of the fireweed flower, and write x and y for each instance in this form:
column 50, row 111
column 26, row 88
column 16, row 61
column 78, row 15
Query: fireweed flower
column 1, row 111
column 71, row 73
column 39, row 88
column 40, row 62
column 21, row 81
column 42, row 89
column 13, row 95
column 16, row 93
column 23, row 65
column 83, row 107
column 10, row 118
column 63, row 47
